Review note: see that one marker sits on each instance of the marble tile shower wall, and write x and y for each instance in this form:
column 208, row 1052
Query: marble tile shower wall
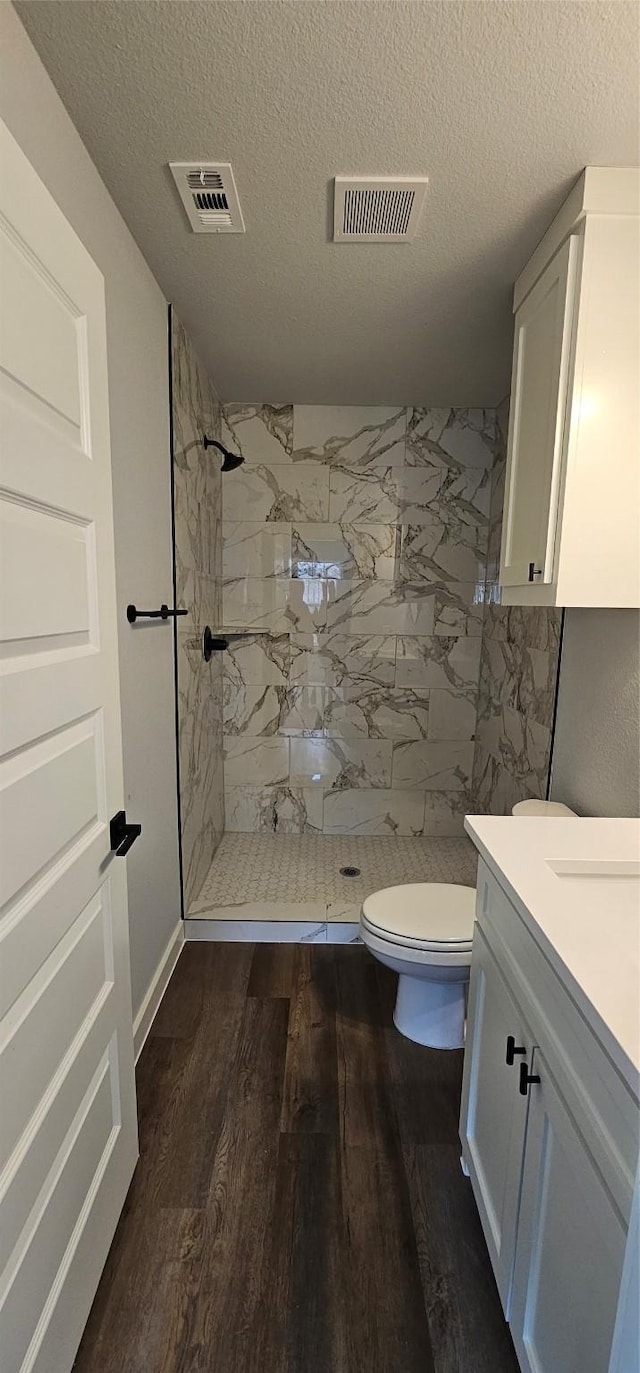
column 357, row 538
column 198, row 554
column 518, row 674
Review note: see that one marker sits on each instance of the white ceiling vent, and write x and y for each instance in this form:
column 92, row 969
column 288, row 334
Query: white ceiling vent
column 208, row 193
column 377, row 209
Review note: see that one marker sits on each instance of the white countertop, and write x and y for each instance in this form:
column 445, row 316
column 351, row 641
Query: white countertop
column 576, row 884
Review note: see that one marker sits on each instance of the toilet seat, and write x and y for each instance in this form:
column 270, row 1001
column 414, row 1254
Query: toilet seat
column 436, row 917
column 446, row 956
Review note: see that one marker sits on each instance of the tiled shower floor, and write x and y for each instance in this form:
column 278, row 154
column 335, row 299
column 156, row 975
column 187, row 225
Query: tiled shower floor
column 260, row 877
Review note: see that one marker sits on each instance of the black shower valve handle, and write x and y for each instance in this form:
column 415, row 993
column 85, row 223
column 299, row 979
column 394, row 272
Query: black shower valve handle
column 212, row 643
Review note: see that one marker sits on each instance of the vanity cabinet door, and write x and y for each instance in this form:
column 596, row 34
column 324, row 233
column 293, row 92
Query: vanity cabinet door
column 494, row 1114
column 570, row 1245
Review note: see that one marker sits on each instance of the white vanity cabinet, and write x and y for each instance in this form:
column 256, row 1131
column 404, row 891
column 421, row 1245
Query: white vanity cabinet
column 570, row 1244
column 571, row 520
column 549, row 1134
column 495, row 1115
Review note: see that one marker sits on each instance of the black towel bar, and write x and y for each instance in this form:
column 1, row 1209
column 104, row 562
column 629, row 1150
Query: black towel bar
column 163, row 613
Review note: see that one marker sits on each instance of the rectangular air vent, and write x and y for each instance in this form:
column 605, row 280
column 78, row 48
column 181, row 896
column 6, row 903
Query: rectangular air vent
column 208, row 193
column 377, row 209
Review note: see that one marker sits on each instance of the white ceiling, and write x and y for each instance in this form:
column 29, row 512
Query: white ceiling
column 500, row 104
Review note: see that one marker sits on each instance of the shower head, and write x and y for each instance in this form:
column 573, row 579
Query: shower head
column 229, row 460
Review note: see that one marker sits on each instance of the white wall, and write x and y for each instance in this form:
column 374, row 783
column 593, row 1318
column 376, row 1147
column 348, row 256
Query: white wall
column 139, row 409
column 596, row 755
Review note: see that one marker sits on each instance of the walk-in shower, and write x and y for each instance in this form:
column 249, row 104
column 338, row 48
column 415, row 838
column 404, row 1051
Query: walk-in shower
column 348, row 685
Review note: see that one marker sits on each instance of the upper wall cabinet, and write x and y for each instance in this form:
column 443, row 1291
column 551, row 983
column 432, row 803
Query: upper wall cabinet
column 571, row 526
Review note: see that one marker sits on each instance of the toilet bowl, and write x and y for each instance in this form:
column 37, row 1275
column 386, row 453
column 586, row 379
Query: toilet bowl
column 424, row 932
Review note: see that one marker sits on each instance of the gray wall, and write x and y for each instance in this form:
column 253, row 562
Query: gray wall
column 596, row 757
column 139, row 412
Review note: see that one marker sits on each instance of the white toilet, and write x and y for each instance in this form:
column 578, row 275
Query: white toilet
column 424, row 932
column 550, row 810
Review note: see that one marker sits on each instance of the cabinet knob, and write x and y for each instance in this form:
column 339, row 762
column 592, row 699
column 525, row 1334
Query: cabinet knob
column 513, row 1049
column 526, row 1078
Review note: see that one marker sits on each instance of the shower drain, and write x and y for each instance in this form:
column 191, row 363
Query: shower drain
column 349, row 872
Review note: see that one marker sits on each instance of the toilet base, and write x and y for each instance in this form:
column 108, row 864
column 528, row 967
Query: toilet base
column 431, row 1012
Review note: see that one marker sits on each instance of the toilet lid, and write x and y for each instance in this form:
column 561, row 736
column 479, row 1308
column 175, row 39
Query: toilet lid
column 432, row 912
column 553, row 810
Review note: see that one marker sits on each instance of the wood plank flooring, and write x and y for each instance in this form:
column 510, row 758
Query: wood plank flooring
column 298, row 1205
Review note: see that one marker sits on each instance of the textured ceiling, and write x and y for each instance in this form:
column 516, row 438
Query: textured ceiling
column 500, row 104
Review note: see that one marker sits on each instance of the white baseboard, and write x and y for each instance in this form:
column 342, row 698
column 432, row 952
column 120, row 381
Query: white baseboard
column 157, row 988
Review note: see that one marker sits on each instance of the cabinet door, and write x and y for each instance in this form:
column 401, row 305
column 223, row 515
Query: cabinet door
column 494, row 1115
column 570, row 1247
column 539, row 385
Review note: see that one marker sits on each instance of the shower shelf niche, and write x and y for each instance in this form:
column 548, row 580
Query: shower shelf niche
column 239, row 632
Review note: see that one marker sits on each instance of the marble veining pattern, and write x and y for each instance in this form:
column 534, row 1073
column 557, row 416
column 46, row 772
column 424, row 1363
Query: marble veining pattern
column 519, row 651
column 285, row 492
column 345, row 550
column 197, row 487
column 283, row 809
column 443, row 549
column 358, row 538
column 341, row 763
column 377, row 713
column 350, row 435
column 439, row 661
column 254, row 549
column 263, row 761
column 448, row 608
column 343, row 660
column 278, row 604
column 374, row 812
column 267, row 710
column 433, row 765
column 261, row 433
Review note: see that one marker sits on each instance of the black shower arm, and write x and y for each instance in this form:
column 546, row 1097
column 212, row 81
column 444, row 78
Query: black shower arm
column 229, row 460
column 213, row 443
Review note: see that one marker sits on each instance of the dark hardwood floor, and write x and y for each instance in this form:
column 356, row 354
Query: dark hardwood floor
column 298, row 1205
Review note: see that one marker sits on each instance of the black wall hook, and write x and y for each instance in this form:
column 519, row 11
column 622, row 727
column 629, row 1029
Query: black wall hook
column 163, row 613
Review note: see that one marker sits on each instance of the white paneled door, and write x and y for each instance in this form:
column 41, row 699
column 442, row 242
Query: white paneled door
column 68, row 1140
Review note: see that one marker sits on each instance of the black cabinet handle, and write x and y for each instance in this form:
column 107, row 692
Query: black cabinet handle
column 526, row 1078
column 513, row 1049
column 534, row 571
column 121, row 834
